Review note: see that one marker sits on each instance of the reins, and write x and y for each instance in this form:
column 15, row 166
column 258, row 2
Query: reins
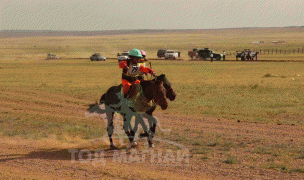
column 149, row 77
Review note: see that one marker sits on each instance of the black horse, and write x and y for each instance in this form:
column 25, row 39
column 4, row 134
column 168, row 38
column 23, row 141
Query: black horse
column 156, row 90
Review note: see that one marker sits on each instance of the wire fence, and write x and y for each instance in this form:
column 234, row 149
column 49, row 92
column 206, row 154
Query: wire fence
column 282, row 51
column 272, row 51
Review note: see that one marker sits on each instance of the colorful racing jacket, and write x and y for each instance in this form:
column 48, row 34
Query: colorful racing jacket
column 134, row 70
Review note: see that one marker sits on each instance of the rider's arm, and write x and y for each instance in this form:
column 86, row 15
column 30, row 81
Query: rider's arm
column 123, row 65
column 146, row 70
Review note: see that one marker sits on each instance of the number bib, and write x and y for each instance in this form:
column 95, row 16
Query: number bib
column 134, row 70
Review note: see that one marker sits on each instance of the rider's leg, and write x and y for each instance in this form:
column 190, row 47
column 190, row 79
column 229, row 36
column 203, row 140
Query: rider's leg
column 126, row 87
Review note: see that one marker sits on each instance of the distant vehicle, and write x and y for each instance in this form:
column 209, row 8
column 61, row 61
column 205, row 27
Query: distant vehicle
column 247, row 54
column 170, row 54
column 206, row 54
column 97, row 57
column 193, row 53
column 52, row 56
column 123, row 56
column 161, row 53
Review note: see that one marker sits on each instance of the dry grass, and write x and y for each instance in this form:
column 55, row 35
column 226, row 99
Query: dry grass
column 235, row 113
column 230, row 40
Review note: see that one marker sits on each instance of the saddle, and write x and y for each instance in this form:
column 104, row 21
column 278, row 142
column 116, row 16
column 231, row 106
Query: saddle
column 137, row 99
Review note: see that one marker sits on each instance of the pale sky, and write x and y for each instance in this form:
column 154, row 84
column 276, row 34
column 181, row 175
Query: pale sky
column 94, row 15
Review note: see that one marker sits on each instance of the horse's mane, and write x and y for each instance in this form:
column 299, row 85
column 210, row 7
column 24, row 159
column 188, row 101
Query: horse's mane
column 140, row 102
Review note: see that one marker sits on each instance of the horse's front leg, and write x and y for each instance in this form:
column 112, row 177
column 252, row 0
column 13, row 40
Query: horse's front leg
column 139, row 120
column 110, row 127
column 134, row 130
column 128, row 128
column 152, row 123
column 151, row 119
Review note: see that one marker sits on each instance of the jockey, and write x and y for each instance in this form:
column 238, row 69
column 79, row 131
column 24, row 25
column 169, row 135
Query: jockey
column 142, row 62
column 131, row 69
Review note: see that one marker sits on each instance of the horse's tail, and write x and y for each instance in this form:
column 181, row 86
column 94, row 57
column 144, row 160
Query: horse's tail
column 95, row 107
column 102, row 101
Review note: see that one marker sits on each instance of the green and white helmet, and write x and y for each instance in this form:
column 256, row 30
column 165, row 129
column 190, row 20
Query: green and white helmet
column 136, row 53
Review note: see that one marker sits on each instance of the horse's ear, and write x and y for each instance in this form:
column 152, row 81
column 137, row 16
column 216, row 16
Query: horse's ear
column 158, row 81
column 162, row 76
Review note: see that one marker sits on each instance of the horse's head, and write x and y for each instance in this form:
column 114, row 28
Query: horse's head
column 154, row 90
column 159, row 89
column 158, row 93
column 170, row 94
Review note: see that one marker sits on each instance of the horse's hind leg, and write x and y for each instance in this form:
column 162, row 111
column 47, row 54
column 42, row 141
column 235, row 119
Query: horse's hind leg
column 110, row 128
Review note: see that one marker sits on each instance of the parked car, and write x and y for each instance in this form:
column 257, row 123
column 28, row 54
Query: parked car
column 170, row 54
column 97, row 57
column 193, row 53
column 52, row 56
column 247, row 54
column 161, row 53
column 123, row 56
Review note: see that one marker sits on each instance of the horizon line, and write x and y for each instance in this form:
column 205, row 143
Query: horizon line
column 147, row 29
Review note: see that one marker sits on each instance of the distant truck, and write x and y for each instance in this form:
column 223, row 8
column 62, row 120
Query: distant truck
column 206, row 54
column 97, row 57
column 247, row 54
column 161, row 53
column 193, row 53
column 123, row 56
column 52, row 56
column 170, row 54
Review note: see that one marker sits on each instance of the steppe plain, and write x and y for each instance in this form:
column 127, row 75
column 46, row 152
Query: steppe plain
column 230, row 120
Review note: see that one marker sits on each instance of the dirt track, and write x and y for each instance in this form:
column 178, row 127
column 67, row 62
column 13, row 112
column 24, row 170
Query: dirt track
column 50, row 159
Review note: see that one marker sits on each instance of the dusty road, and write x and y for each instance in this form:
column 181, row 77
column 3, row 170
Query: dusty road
column 52, row 159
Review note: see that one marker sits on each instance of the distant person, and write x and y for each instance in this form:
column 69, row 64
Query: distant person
column 211, row 56
column 224, row 54
column 143, row 62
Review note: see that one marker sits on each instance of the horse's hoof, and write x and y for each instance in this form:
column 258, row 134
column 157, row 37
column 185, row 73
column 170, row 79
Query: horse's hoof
column 132, row 144
column 151, row 145
column 112, row 147
column 142, row 135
